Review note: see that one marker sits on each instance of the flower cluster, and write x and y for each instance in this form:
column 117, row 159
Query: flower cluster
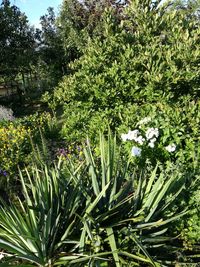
column 133, row 135
column 144, row 137
column 136, row 151
column 63, row 152
column 150, row 137
column 151, row 133
column 66, row 152
column 14, row 140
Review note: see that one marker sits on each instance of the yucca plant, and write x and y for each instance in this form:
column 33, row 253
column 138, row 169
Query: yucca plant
column 44, row 225
column 100, row 213
column 126, row 213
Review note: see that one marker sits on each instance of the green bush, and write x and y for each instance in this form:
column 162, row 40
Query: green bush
column 15, row 146
column 129, row 67
column 191, row 228
column 152, row 55
column 177, row 123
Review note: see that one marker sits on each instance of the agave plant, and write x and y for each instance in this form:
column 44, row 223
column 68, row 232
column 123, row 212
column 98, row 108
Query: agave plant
column 126, row 214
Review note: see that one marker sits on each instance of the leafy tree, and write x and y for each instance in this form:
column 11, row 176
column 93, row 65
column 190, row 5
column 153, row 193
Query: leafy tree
column 50, row 48
column 16, row 42
column 81, row 20
column 63, row 39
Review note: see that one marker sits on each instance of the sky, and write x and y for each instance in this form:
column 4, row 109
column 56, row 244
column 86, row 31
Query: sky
column 34, row 9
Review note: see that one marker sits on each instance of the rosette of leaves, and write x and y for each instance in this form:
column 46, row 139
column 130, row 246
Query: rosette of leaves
column 42, row 227
column 127, row 213
column 100, row 213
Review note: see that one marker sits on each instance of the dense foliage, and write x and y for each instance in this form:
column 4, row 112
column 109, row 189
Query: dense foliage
column 154, row 56
column 17, row 42
column 74, row 197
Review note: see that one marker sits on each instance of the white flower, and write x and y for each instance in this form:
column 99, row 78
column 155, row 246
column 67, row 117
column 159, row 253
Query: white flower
column 136, row 151
column 140, row 140
column 132, row 135
column 153, row 140
column 124, row 137
column 151, row 144
column 144, row 121
column 151, row 132
column 171, row 148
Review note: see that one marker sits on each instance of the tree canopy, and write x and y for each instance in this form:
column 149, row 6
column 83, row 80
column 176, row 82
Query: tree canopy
column 16, row 40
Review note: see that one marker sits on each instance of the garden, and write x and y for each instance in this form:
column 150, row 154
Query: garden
column 99, row 146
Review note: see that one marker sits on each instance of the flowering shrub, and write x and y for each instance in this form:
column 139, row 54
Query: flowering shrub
column 171, row 148
column 14, row 145
column 15, row 140
column 147, row 142
column 178, row 140
column 36, row 121
column 178, row 126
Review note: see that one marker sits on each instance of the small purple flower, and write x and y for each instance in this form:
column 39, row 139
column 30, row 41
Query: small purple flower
column 62, row 152
column 3, row 172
